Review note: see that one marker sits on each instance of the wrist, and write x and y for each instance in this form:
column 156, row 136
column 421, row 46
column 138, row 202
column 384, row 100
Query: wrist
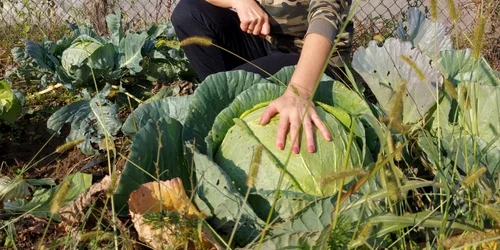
column 299, row 90
column 237, row 3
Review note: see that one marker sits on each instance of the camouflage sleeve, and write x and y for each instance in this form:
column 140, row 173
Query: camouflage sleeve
column 327, row 16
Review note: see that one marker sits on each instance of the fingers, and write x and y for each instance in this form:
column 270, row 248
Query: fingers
column 255, row 22
column 282, row 131
column 269, row 112
column 259, row 27
column 309, row 131
column 244, row 25
column 321, row 126
column 294, row 133
column 266, row 28
column 290, row 123
column 255, row 26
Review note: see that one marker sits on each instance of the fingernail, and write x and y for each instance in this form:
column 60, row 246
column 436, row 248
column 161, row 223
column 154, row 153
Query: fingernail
column 295, row 150
column 329, row 138
column 310, row 148
column 280, row 146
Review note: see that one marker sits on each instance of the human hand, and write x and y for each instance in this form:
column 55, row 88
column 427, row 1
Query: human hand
column 291, row 106
column 253, row 19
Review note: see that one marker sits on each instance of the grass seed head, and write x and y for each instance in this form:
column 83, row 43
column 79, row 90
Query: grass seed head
column 493, row 213
column 338, row 175
column 113, row 182
column 60, row 197
column 434, row 10
column 452, row 11
column 464, row 96
column 254, row 166
column 391, row 185
column 69, row 145
column 398, row 153
column 96, row 236
column 196, row 40
column 414, row 66
column 365, row 232
column 474, row 177
column 479, row 37
column 396, row 113
column 450, row 89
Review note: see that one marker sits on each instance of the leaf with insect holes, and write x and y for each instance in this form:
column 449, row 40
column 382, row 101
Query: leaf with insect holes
column 385, row 79
column 89, row 119
column 428, row 36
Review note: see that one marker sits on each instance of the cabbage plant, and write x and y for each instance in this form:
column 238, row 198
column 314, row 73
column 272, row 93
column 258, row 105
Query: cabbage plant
column 237, row 177
column 215, row 136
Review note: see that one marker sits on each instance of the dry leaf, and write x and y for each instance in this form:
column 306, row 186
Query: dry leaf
column 74, row 212
column 469, row 238
column 165, row 217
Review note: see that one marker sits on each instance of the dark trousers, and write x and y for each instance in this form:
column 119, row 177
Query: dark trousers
column 222, row 26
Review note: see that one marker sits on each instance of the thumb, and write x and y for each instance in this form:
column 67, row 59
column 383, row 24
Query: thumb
column 269, row 112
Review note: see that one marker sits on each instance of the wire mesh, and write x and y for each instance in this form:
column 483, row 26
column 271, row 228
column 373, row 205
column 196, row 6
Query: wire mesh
column 381, row 17
column 372, row 17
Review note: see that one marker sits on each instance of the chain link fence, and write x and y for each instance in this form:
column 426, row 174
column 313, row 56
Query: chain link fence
column 51, row 13
column 372, row 17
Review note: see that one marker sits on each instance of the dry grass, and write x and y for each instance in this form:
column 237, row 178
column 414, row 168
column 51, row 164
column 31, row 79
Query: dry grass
column 491, row 49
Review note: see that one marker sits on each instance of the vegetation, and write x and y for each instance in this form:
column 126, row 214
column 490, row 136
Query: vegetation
column 418, row 167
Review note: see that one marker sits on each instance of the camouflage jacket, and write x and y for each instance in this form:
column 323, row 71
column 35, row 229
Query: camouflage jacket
column 292, row 20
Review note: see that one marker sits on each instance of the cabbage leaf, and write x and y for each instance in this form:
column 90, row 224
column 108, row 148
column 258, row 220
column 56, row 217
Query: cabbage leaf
column 385, row 79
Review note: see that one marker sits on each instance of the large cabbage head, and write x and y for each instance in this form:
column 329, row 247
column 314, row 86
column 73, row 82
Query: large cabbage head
column 211, row 139
column 223, row 123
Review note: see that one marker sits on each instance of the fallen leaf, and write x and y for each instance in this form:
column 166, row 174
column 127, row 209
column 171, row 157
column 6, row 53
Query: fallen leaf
column 74, row 212
column 165, row 217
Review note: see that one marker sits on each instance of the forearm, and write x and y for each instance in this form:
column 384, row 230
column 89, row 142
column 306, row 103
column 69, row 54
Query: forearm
column 312, row 59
